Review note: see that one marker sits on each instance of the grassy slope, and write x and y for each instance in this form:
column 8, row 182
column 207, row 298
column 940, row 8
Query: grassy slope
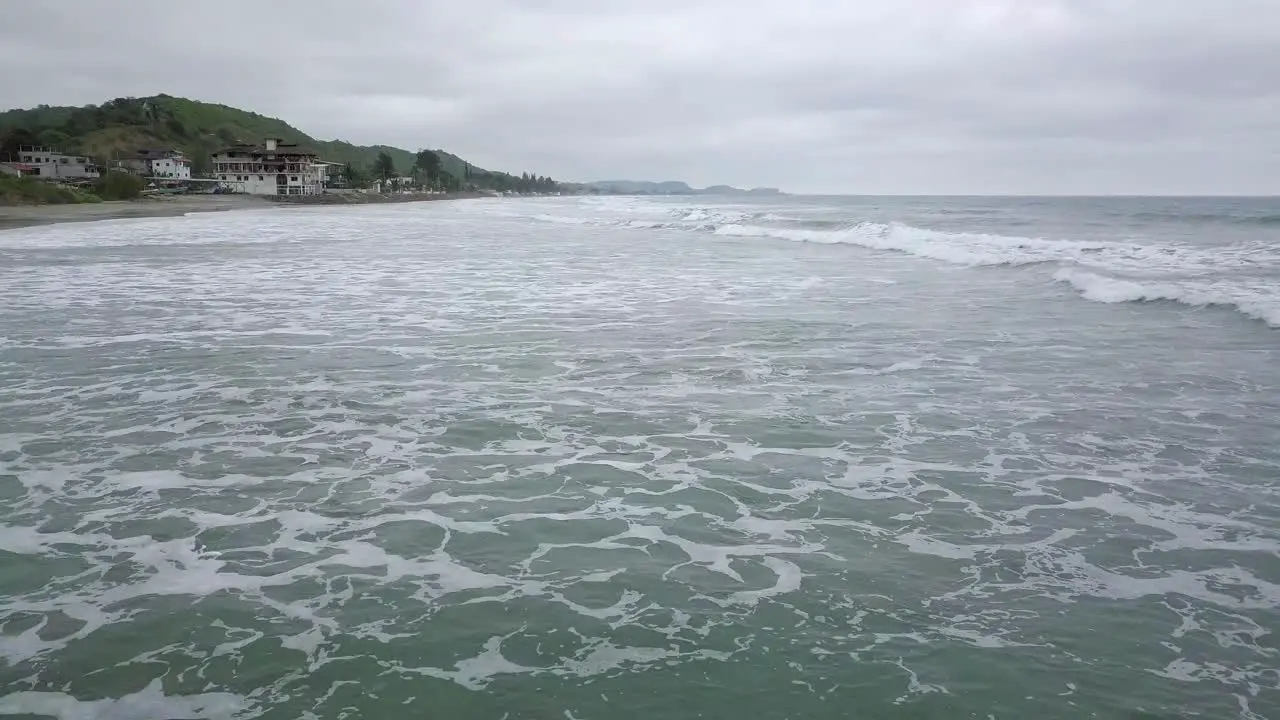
column 202, row 127
column 29, row 191
column 252, row 127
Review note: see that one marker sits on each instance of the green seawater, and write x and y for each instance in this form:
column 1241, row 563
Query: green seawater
column 559, row 458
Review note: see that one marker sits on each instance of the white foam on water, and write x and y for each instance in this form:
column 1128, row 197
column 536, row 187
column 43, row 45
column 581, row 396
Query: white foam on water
column 476, row 672
column 789, row 580
column 970, row 249
column 1159, row 272
column 1104, row 271
column 1261, row 302
column 149, row 702
column 564, row 220
column 667, row 461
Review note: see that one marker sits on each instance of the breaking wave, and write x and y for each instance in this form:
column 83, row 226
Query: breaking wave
column 1106, row 271
column 1252, row 302
column 956, row 248
column 1098, row 270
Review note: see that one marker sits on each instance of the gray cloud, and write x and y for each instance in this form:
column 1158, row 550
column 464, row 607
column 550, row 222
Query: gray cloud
column 1004, row 96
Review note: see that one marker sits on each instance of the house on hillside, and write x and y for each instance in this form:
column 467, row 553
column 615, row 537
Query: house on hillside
column 158, row 164
column 272, row 168
column 49, row 164
column 394, row 184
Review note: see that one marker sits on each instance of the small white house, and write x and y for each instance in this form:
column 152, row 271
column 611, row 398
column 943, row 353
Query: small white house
column 158, row 164
column 175, row 166
column 47, row 163
column 394, row 184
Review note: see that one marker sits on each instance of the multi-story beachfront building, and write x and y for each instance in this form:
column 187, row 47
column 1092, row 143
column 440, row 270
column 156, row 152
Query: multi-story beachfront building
column 49, row 164
column 273, row 168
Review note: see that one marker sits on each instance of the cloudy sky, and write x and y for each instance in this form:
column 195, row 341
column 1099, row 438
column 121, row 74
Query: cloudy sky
column 858, row 96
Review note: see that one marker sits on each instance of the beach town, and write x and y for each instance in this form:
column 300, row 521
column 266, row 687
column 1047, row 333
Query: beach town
column 274, row 167
column 46, row 185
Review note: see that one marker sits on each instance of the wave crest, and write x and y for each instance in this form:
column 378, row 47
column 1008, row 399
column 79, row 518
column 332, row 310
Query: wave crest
column 1106, row 289
column 1240, row 276
column 972, row 249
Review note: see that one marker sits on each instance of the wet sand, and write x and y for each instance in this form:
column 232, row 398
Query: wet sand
column 15, row 216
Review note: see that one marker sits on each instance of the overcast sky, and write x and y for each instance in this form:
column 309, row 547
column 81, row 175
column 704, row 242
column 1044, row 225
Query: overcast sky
column 865, row 96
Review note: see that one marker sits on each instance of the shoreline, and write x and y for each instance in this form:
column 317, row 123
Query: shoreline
column 13, row 217
column 354, row 198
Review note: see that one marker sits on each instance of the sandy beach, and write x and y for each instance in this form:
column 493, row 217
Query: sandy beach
column 15, row 216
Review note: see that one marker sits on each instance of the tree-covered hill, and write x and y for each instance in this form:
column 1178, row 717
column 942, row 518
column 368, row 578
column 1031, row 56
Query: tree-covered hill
column 124, row 125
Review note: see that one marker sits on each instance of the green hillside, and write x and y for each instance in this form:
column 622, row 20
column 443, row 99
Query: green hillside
column 124, row 125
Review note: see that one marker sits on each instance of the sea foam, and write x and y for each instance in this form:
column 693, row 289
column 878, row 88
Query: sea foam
column 1255, row 303
column 1107, row 271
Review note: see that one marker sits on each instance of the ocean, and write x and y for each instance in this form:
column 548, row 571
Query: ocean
column 608, row 458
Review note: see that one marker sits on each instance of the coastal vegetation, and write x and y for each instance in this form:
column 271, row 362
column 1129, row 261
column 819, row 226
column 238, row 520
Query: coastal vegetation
column 30, row 191
column 117, row 185
column 384, row 167
column 122, row 126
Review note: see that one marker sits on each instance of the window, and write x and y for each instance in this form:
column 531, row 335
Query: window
column 259, row 177
column 293, row 178
column 26, row 158
column 222, row 177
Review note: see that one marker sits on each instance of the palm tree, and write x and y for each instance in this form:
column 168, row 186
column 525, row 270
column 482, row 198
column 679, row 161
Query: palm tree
column 429, row 163
column 384, row 167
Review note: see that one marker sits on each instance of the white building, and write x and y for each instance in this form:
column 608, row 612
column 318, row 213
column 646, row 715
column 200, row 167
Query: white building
column 273, row 168
column 331, row 174
column 394, row 184
column 159, row 164
column 49, row 164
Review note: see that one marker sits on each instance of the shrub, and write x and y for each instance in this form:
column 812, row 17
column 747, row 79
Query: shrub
column 116, row 185
column 30, row 191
